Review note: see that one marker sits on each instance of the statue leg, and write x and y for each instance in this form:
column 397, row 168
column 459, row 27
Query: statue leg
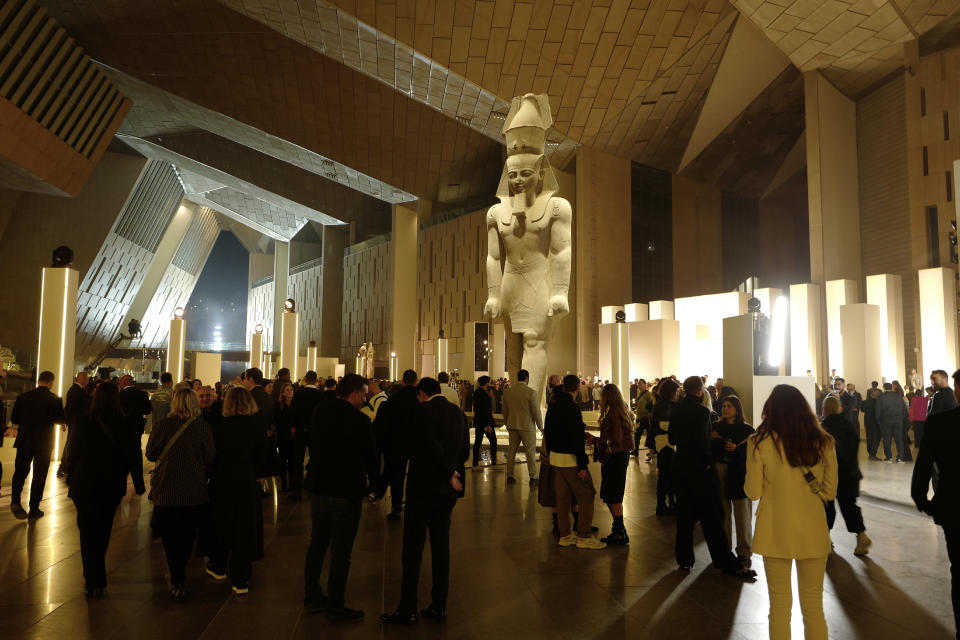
column 535, row 360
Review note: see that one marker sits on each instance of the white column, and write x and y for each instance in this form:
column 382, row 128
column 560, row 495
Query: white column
column 290, row 343
column 886, row 291
column 394, row 367
column 938, row 320
column 58, row 322
column 862, row 360
column 620, row 357
column 839, row 293
column 256, row 350
column 403, row 294
column 805, row 331
column 175, row 348
column 739, row 359
column 443, row 355
column 311, row 357
column 281, row 273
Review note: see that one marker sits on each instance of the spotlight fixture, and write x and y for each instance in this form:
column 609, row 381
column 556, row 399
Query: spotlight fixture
column 133, row 328
column 621, row 316
column 753, row 305
column 258, row 328
column 178, row 313
column 289, row 305
column 313, row 343
column 63, row 257
column 441, row 334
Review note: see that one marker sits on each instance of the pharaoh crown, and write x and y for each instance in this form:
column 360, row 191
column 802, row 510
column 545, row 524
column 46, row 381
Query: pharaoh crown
column 525, row 127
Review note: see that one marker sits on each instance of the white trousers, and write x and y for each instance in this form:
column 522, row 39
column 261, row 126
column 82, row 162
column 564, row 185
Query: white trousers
column 529, row 440
column 810, row 586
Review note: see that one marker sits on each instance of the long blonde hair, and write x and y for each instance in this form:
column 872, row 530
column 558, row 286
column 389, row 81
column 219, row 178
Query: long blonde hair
column 613, row 407
column 239, row 402
column 185, row 404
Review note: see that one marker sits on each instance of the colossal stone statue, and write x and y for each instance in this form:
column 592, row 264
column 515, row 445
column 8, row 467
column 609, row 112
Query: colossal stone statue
column 528, row 240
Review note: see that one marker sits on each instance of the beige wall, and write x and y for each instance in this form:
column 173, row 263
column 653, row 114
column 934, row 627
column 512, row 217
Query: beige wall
column 697, row 249
column 39, row 223
column 335, row 240
column 367, row 315
column 832, row 186
column 602, row 248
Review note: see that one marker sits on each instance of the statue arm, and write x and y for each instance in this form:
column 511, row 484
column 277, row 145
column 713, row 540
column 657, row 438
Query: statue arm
column 494, row 272
column 560, row 258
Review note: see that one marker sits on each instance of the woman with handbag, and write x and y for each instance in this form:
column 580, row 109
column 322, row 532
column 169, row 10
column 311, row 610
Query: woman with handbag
column 238, row 517
column 729, row 443
column 616, row 443
column 792, row 470
column 182, row 447
column 99, row 457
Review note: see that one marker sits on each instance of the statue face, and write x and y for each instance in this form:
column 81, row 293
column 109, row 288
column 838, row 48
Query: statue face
column 524, row 173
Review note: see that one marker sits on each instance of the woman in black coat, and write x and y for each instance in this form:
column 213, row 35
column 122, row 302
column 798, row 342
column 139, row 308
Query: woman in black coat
column 657, row 439
column 846, row 437
column 729, row 452
column 97, row 464
column 283, row 422
column 234, row 491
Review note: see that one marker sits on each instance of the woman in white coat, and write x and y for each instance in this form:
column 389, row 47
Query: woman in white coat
column 792, row 470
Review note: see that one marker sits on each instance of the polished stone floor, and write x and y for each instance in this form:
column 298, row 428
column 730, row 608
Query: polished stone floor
column 509, row 579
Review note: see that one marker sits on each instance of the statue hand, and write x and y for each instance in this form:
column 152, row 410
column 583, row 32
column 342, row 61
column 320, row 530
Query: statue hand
column 492, row 308
column 559, row 306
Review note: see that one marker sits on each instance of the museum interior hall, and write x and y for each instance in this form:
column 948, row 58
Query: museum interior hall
column 541, row 318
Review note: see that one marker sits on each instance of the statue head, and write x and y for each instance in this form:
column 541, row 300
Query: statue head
column 525, row 129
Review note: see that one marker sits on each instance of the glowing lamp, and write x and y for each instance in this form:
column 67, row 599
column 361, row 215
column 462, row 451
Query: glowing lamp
column 178, row 313
column 258, row 328
column 289, row 305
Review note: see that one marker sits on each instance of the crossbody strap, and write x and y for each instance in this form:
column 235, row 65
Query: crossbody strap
column 172, row 440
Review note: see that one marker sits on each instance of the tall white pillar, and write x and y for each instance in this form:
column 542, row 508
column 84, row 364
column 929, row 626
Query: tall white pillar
column 620, row 357
column 58, row 322
column 403, row 300
column 886, row 291
column 839, row 293
column 443, row 355
column 290, row 342
column 806, row 352
column 256, row 349
column 862, row 348
column 938, row 320
column 176, row 345
column 311, row 357
column 394, row 367
column 281, row 273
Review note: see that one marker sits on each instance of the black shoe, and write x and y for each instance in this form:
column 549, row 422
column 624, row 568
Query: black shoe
column 434, row 613
column 179, row 592
column 316, row 602
column 399, row 617
column 344, row 615
column 18, row 511
column 742, row 572
column 616, row 538
column 511, row 480
column 393, row 515
column 34, row 514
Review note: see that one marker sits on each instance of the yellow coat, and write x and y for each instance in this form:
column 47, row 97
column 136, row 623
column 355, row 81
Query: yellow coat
column 791, row 521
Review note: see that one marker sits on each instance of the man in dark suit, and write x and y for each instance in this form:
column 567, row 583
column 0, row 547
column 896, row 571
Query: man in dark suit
column 943, row 399
column 393, row 429
column 135, row 405
column 302, row 406
column 330, row 389
column 483, row 423
column 439, row 447
column 697, row 483
column 76, row 405
column 343, row 465
column 941, row 441
column 253, row 382
column 36, row 413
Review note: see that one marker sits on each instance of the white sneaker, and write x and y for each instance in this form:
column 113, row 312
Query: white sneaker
column 590, row 543
column 568, row 540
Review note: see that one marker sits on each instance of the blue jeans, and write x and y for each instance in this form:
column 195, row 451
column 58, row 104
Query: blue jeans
column 335, row 523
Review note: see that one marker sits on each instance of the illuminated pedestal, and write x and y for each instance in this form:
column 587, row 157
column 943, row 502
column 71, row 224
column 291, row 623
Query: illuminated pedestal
column 175, row 346
column 701, row 321
column 839, row 293
column 620, row 357
column 938, row 320
column 862, row 348
column 394, row 368
column 608, row 315
column 58, row 322
column 442, row 360
column 661, row 310
column 206, row 366
column 654, row 349
column 256, row 351
column 636, row 312
column 886, row 291
column 806, row 352
column 311, row 363
column 290, row 343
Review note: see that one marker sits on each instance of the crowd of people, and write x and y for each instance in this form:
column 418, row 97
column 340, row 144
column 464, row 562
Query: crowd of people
column 212, row 446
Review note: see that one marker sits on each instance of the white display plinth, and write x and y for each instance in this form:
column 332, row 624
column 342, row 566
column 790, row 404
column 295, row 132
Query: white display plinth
column 175, row 348
column 839, row 293
column 738, row 360
column 608, row 315
column 886, row 291
column 938, row 320
column 636, row 312
column 256, row 351
column 661, row 310
column 767, row 297
column 763, row 385
column 862, row 348
column 58, row 327
column 654, row 349
column 339, row 371
column 805, row 336
column 290, row 343
column 206, row 367
column 701, row 330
